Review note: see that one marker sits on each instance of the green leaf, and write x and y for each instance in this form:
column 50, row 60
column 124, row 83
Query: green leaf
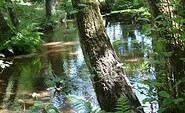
column 178, row 100
column 147, row 100
column 122, row 105
column 164, row 94
column 167, row 102
column 168, row 54
column 160, row 44
column 2, row 4
column 52, row 109
column 45, row 98
column 82, row 5
column 117, row 42
column 39, row 103
column 143, row 19
column 161, row 110
column 160, row 16
column 146, row 29
column 73, row 11
column 183, row 59
column 156, row 83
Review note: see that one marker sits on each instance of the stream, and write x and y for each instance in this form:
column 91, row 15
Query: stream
column 58, row 76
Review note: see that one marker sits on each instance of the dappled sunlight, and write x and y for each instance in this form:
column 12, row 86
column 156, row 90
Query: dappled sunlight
column 134, row 60
column 53, row 44
column 62, row 57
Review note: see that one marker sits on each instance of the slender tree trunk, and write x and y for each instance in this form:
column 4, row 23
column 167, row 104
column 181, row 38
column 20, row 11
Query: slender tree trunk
column 49, row 4
column 174, row 67
column 110, row 82
column 3, row 24
column 12, row 14
column 48, row 9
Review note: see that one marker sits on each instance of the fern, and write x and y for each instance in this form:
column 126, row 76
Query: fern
column 81, row 105
column 122, row 105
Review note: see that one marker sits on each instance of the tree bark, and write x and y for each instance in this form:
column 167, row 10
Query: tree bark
column 109, row 81
column 49, row 4
column 3, row 24
column 12, row 14
column 48, row 9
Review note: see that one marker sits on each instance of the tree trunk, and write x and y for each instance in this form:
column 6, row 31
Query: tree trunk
column 109, row 81
column 12, row 14
column 49, row 4
column 48, row 9
column 174, row 67
column 3, row 24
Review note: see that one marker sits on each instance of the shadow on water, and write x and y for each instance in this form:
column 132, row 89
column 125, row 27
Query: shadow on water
column 60, row 63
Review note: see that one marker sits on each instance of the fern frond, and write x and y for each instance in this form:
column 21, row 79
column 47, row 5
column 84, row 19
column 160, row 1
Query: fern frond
column 122, row 105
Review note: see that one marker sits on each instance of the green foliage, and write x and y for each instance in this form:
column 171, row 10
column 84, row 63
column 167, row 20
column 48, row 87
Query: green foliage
column 127, row 4
column 81, row 105
column 25, row 41
column 163, row 88
column 42, row 106
column 122, row 5
column 122, row 105
column 146, row 29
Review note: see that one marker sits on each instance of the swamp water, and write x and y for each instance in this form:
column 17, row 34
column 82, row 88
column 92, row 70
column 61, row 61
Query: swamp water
column 57, row 75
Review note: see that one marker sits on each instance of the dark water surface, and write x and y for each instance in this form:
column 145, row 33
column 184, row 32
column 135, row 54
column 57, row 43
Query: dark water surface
column 35, row 77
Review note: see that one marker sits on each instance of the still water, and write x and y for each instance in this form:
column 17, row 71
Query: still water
column 58, row 76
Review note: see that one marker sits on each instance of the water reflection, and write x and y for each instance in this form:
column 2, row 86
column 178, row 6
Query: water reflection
column 133, row 50
column 61, row 59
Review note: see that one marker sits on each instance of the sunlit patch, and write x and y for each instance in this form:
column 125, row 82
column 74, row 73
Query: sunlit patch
column 26, row 102
column 134, row 60
column 44, row 94
column 131, row 52
column 71, row 43
column 26, row 3
column 52, row 44
column 56, row 51
column 73, row 53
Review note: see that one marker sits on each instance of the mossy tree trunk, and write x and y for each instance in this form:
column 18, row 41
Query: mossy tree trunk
column 110, row 82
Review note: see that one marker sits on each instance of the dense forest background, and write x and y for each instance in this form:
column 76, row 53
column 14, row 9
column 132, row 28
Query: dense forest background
column 23, row 23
